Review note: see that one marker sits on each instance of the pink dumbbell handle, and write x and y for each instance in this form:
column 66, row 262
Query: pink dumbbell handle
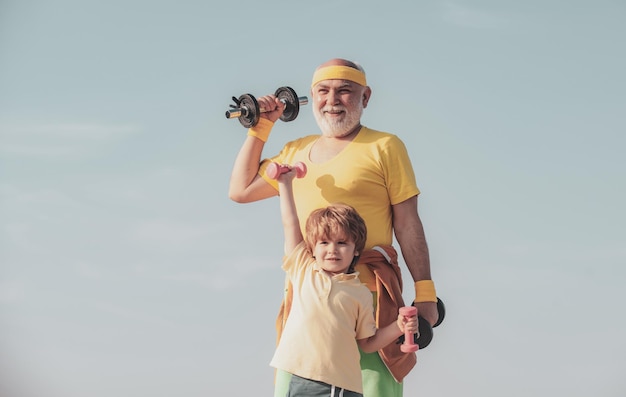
column 408, row 345
column 275, row 169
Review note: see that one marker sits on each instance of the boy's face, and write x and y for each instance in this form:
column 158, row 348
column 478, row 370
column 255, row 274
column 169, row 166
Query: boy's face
column 334, row 255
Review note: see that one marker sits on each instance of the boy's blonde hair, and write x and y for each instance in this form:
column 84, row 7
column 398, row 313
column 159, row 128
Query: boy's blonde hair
column 336, row 220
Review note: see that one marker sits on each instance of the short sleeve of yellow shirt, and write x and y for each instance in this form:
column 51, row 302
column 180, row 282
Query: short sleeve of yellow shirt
column 371, row 174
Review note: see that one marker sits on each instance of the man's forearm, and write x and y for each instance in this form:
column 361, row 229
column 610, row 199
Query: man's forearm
column 414, row 250
column 409, row 232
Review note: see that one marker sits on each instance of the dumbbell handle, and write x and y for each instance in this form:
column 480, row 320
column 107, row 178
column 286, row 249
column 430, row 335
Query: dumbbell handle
column 408, row 346
column 275, row 169
column 237, row 112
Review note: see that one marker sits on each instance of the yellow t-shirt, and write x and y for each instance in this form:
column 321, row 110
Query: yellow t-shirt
column 328, row 314
column 372, row 173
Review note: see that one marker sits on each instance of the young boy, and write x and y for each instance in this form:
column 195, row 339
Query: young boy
column 332, row 313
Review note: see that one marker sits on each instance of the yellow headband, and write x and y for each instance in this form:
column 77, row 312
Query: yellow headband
column 339, row 73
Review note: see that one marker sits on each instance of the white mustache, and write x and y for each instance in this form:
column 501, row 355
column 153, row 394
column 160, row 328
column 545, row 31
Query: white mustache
column 334, row 109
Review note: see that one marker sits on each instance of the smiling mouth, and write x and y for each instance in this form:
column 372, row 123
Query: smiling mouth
column 334, row 111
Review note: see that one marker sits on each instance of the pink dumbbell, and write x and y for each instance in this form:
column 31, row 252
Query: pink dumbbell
column 275, row 169
column 408, row 346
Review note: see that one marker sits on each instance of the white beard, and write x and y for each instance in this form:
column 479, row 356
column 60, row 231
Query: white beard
column 339, row 128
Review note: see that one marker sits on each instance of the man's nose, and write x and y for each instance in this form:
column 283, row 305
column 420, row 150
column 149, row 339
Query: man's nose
column 332, row 97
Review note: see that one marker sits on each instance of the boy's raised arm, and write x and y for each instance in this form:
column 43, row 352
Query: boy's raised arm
column 291, row 223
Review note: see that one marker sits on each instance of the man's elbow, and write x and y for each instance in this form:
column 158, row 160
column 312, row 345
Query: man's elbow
column 251, row 193
column 244, row 196
column 237, row 197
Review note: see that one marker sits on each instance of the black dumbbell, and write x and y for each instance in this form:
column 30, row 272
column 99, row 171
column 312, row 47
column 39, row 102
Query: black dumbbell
column 425, row 331
column 247, row 109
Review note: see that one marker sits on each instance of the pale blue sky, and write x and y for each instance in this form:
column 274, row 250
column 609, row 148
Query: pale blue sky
column 125, row 270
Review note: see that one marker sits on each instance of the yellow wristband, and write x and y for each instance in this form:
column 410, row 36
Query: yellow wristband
column 261, row 130
column 425, row 291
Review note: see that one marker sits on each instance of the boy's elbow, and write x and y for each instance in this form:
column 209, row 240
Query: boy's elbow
column 365, row 346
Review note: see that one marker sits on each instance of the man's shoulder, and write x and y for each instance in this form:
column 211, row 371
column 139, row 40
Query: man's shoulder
column 373, row 131
column 304, row 140
column 370, row 135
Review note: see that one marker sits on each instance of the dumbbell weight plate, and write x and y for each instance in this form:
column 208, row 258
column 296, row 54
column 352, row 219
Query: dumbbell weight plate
column 441, row 308
column 292, row 104
column 425, row 329
column 425, row 333
column 250, row 110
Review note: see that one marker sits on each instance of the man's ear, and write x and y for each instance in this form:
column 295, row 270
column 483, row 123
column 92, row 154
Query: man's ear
column 367, row 93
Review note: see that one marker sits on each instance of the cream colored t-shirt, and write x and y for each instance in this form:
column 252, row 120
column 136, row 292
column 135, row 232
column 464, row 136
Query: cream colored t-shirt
column 328, row 314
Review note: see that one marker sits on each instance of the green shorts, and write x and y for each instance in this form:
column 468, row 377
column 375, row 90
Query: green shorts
column 377, row 380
